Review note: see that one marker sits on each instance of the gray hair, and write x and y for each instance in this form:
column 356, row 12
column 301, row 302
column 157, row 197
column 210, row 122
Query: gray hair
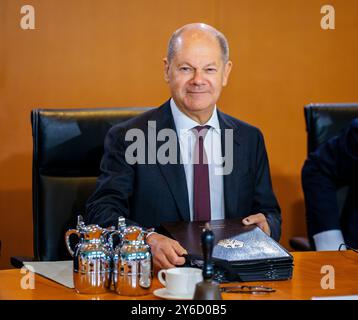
column 224, row 45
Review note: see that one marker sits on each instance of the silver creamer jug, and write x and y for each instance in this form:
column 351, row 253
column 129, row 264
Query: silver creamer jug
column 132, row 271
column 92, row 258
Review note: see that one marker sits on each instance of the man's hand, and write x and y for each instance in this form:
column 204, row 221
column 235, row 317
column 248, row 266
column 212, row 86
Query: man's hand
column 167, row 253
column 260, row 220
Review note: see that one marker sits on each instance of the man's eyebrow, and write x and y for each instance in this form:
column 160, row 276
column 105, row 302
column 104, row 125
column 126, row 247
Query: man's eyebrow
column 207, row 65
column 211, row 64
column 184, row 63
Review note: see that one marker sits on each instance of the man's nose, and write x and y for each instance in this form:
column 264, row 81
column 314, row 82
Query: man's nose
column 198, row 78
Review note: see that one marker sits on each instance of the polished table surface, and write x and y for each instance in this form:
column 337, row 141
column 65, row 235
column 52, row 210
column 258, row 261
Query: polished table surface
column 305, row 283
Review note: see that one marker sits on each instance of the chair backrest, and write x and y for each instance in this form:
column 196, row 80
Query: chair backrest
column 325, row 120
column 67, row 150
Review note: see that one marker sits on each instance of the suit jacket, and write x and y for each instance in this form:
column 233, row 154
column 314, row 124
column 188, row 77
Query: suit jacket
column 332, row 166
column 150, row 194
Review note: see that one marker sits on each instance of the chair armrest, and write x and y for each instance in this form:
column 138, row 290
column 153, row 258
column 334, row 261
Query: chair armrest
column 18, row 261
column 300, row 244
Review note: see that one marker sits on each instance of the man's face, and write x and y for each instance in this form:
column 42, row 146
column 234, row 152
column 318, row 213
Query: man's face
column 197, row 74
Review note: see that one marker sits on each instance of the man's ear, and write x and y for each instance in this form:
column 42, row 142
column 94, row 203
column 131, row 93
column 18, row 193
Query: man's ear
column 166, row 69
column 227, row 69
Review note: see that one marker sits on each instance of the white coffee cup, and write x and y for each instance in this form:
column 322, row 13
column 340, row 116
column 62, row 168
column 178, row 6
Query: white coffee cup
column 180, row 281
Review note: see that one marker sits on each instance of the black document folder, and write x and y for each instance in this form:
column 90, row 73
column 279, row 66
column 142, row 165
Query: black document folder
column 241, row 253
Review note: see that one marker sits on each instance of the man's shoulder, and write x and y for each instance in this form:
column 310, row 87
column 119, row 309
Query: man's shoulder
column 240, row 125
column 141, row 121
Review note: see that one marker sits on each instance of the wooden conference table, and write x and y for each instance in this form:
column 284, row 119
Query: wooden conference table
column 305, row 284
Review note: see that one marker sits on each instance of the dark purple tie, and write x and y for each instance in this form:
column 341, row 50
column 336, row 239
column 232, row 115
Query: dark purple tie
column 202, row 210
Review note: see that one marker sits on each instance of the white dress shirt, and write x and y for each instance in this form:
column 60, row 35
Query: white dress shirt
column 212, row 145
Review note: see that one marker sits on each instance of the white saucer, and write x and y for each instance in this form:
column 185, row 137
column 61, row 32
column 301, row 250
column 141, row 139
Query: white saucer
column 163, row 293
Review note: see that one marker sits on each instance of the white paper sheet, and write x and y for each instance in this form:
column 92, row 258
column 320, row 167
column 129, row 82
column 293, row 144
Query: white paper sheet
column 353, row 297
column 59, row 271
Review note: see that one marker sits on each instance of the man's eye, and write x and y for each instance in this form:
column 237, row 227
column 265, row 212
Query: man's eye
column 185, row 69
column 211, row 70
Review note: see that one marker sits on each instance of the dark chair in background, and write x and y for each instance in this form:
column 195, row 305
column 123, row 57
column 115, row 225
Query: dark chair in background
column 67, row 150
column 323, row 121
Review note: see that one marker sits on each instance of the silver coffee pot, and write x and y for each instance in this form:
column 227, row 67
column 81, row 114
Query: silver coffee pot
column 132, row 269
column 92, row 258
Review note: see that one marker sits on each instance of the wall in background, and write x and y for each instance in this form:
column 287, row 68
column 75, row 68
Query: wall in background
column 92, row 53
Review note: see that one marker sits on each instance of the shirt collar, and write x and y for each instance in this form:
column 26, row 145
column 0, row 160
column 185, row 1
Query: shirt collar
column 183, row 123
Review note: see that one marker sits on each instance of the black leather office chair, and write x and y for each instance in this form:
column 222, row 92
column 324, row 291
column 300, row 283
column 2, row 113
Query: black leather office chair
column 323, row 121
column 67, row 150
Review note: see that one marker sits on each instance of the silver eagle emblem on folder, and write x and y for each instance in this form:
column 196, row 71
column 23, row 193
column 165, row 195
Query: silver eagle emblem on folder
column 231, row 243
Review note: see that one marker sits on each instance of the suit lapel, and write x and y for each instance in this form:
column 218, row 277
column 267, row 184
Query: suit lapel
column 231, row 185
column 174, row 174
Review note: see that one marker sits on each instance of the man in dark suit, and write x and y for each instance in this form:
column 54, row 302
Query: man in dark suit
column 195, row 184
column 332, row 166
